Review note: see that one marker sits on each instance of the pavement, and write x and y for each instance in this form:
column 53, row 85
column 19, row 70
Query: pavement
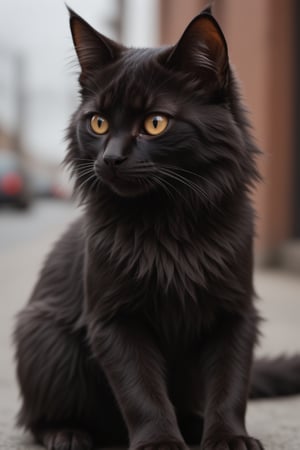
column 24, row 242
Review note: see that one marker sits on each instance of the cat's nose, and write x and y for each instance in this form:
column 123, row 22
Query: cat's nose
column 114, row 160
column 114, row 153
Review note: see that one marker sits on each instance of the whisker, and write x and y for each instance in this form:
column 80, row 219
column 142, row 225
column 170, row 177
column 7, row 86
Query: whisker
column 164, row 187
column 82, row 161
column 85, row 173
column 83, row 165
column 171, row 186
column 83, row 168
column 197, row 175
column 80, row 186
column 93, row 185
column 192, row 186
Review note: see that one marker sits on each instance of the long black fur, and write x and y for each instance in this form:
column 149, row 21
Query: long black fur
column 142, row 324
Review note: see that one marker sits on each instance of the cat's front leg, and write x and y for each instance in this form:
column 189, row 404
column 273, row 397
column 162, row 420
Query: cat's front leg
column 135, row 370
column 227, row 371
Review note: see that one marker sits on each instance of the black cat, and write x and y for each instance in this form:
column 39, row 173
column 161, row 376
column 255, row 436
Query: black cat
column 142, row 325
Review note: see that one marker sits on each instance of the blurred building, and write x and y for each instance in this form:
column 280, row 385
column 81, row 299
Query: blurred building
column 6, row 139
column 264, row 45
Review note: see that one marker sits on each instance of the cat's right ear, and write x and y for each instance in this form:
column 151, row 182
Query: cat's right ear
column 94, row 51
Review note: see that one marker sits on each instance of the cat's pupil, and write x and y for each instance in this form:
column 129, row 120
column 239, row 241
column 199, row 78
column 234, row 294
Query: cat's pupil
column 100, row 122
column 155, row 122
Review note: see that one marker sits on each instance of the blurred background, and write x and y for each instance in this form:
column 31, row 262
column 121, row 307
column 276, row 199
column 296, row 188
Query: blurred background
column 264, row 46
column 38, row 92
column 38, row 89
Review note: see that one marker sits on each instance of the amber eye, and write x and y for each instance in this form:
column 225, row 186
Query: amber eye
column 99, row 124
column 156, row 124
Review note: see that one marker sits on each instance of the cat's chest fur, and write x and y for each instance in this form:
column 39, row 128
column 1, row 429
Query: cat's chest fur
column 166, row 255
column 173, row 271
column 166, row 252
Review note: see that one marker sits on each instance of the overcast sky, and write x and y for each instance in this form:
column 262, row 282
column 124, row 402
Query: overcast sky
column 39, row 30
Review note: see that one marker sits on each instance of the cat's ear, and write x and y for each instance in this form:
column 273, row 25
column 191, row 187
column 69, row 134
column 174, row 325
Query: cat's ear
column 93, row 50
column 202, row 51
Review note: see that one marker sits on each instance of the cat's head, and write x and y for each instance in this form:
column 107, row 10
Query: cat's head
column 157, row 121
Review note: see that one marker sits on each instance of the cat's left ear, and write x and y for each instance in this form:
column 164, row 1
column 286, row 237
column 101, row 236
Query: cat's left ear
column 202, row 51
column 94, row 50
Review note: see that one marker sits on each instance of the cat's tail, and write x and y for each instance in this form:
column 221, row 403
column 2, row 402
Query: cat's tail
column 275, row 377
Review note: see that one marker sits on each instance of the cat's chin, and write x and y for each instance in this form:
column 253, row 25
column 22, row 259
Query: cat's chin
column 127, row 189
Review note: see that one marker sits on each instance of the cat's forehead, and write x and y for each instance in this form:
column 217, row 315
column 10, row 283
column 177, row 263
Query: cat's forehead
column 137, row 82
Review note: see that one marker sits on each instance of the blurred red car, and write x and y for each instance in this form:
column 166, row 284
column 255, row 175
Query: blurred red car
column 13, row 181
column 44, row 185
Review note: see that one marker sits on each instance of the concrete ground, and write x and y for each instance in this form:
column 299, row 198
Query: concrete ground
column 24, row 241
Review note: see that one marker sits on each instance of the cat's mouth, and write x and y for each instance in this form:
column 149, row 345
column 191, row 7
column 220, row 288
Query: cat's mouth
column 125, row 182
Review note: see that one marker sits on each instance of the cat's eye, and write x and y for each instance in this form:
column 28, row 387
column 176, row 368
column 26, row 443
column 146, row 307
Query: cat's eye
column 99, row 124
column 156, row 124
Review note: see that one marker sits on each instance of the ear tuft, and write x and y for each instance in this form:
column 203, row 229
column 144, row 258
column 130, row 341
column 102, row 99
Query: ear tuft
column 93, row 49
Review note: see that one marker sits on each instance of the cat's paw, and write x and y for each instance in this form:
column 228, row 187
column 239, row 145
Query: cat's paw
column 232, row 443
column 163, row 445
column 67, row 440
